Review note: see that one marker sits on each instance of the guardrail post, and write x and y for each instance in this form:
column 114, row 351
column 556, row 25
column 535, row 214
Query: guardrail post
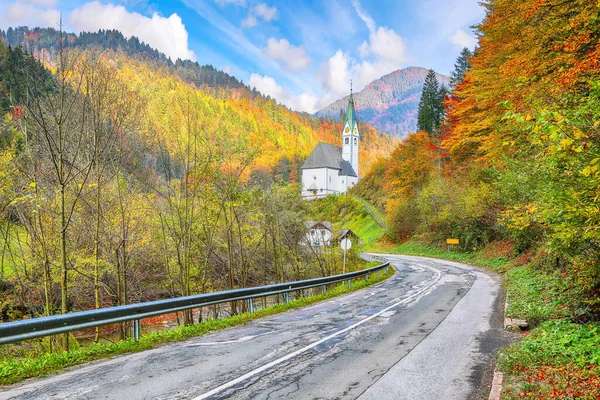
column 136, row 330
column 250, row 306
column 286, row 296
column 324, row 289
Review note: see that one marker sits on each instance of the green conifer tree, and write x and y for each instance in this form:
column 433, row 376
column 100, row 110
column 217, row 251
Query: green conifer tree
column 431, row 109
column 461, row 66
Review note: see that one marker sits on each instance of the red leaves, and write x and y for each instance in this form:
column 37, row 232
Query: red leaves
column 564, row 381
column 17, row 113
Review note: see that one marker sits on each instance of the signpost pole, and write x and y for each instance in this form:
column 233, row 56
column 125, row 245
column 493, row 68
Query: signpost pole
column 345, row 244
column 345, row 249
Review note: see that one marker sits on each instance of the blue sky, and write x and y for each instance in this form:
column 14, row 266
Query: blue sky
column 303, row 53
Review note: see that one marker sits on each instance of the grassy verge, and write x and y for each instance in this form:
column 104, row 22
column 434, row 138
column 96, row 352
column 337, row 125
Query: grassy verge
column 14, row 370
column 557, row 358
column 493, row 262
column 348, row 212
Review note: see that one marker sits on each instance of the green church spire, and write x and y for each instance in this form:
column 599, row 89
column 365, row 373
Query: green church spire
column 350, row 114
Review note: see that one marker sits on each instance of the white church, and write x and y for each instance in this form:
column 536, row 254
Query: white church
column 332, row 169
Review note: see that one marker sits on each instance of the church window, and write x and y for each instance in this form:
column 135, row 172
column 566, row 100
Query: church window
column 347, row 140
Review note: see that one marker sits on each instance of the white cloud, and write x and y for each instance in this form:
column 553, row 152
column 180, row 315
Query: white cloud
column 387, row 44
column 23, row 13
column 43, row 3
column 462, row 39
column 364, row 16
column 260, row 11
column 335, row 73
column 265, row 12
column 168, row 35
column 294, row 58
column 224, row 3
column 384, row 52
column 302, row 102
column 249, row 22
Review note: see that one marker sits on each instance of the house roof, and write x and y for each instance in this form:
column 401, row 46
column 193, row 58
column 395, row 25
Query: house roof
column 329, row 156
column 342, row 233
column 318, row 225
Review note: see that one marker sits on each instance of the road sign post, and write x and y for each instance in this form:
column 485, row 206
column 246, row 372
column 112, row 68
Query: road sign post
column 346, row 245
column 452, row 242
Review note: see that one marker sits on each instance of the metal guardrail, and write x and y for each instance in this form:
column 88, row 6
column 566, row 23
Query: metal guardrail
column 44, row 326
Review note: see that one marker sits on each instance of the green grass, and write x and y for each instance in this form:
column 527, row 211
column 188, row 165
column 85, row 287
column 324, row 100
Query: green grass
column 14, row 370
column 559, row 359
column 347, row 211
column 480, row 259
column 538, row 295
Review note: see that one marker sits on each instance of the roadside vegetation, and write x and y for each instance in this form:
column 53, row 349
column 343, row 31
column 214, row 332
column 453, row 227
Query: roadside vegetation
column 33, row 363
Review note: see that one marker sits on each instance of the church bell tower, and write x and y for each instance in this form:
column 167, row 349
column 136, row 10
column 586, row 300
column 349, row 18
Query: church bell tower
column 350, row 136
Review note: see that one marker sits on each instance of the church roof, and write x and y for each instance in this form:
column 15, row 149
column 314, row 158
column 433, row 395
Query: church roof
column 329, row 156
column 350, row 113
column 324, row 156
column 347, row 169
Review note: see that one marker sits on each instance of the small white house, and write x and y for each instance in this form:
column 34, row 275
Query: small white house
column 318, row 234
column 332, row 169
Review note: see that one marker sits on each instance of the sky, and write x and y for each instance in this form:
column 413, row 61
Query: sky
column 303, row 53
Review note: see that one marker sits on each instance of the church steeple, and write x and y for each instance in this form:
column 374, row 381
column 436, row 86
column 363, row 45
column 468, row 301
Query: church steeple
column 350, row 114
column 350, row 135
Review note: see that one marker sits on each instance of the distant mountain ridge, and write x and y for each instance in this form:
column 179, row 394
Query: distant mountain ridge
column 389, row 103
column 35, row 39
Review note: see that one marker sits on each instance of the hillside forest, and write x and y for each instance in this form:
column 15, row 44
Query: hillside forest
column 126, row 178
column 515, row 164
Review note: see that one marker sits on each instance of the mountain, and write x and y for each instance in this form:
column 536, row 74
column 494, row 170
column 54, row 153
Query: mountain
column 389, row 103
column 229, row 109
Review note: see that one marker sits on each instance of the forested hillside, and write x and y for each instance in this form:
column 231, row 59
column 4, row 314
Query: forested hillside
column 389, row 103
column 125, row 177
column 517, row 159
column 284, row 137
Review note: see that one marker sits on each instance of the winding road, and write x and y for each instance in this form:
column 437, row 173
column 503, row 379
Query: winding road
column 429, row 332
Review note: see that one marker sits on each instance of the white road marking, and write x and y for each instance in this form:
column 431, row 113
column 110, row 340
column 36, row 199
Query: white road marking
column 419, row 290
column 238, row 340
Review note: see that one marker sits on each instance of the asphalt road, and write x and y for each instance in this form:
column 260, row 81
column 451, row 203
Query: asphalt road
column 429, row 332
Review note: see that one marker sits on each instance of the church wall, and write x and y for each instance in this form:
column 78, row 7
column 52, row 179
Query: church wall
column 326, row 180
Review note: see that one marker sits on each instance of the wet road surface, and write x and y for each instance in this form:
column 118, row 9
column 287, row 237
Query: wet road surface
column 429, row 332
